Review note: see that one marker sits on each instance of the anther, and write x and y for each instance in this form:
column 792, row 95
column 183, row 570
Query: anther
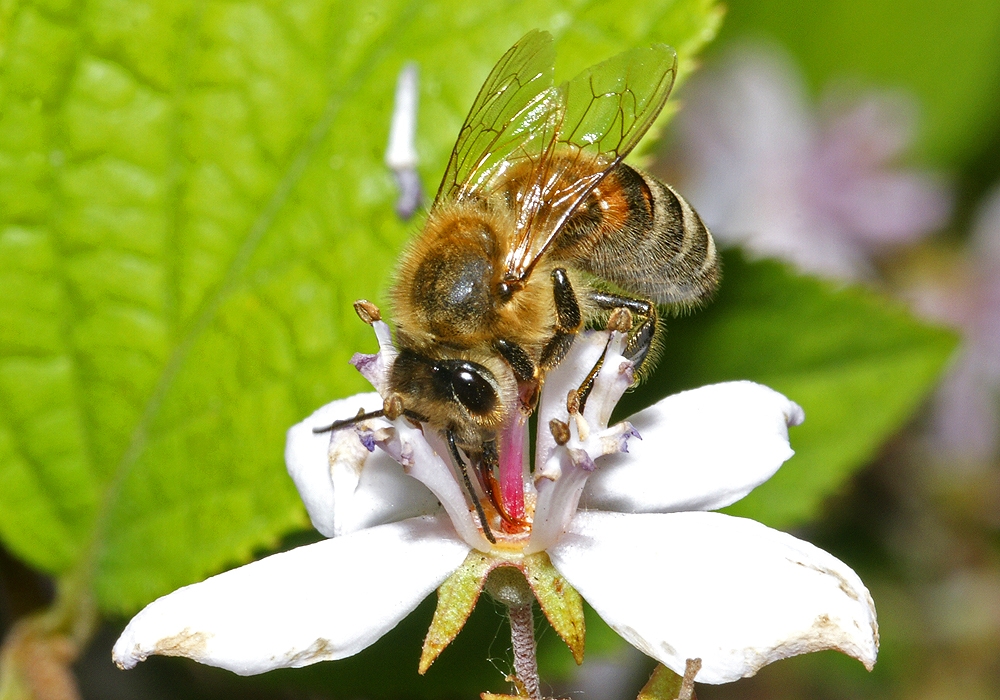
column 560, row 431
column 393, row 406
column 367, row 311
column 620, row 320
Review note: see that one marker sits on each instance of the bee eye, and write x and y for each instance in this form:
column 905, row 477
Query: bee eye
column 472, row 389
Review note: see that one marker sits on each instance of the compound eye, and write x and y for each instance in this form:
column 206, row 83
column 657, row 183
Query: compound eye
column 472, row 389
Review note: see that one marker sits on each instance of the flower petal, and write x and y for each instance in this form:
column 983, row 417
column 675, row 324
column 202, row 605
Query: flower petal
column 700, row 450
column 420, row 455
column 323, row 601
column 344, row 486
column 729, row 591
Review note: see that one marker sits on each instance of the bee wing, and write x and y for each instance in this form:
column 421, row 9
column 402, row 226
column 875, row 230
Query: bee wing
column 515, row 117
column 607, row 110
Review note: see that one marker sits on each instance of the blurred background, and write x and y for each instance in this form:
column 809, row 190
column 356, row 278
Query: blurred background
column 857, row 141
column 860, row 141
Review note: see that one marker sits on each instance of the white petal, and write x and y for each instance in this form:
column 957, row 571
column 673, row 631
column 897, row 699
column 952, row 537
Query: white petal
column 732, row 592
column 700, row 450
column 401, row 152
column 344, row 486
column 420, row 454
column 323, row 601
column 613, row 379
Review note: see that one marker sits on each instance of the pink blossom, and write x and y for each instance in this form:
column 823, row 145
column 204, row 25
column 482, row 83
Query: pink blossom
column 817, row 187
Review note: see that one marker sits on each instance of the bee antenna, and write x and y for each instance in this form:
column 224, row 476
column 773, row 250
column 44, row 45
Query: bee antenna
column 362, row 416
column 338, row 424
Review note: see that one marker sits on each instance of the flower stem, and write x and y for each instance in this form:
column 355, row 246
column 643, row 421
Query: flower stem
column 522, row 638
column 507, row 585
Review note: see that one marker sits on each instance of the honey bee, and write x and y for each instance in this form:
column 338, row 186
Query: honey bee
column 538, row 229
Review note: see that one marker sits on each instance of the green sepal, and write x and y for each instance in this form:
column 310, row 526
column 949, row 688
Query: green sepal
column 562, row 605
column 664, row 684
column 457, row 598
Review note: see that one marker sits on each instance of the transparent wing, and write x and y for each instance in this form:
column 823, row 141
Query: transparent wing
column 512, row 122
column 610, row 106
column 607, row 109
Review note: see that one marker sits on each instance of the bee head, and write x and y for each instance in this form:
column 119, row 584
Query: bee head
column 457, row 394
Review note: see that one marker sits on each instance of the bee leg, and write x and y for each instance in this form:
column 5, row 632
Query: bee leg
column 525, row 371
column 610, row 302
column 457, row 456
column 518, row 359
column 640, row 341
column 577, row 400
column 568, row 320
column 636, row 350
column 567, row 307
column 555, row 350
column 643, row 333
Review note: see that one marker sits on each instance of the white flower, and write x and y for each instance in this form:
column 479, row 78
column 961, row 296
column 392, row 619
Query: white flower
column 674, row 580
column 819, row 188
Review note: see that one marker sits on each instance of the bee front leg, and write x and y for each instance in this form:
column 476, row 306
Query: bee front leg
column 487, row 465
column 525, row 371
column 568, row 320
column 518, row 359
column 457, row 456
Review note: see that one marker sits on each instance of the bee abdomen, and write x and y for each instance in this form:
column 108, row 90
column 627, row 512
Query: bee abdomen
column 641, row 235
column 688, row 272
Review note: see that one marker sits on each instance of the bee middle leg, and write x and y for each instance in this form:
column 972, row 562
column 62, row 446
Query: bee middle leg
column 642, row 331
column 569, row 319
column 638, row 318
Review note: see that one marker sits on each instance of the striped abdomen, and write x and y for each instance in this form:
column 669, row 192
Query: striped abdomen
column 639, row 234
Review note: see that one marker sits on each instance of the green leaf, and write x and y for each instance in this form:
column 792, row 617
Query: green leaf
column 858, row 364
column 191, row 196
